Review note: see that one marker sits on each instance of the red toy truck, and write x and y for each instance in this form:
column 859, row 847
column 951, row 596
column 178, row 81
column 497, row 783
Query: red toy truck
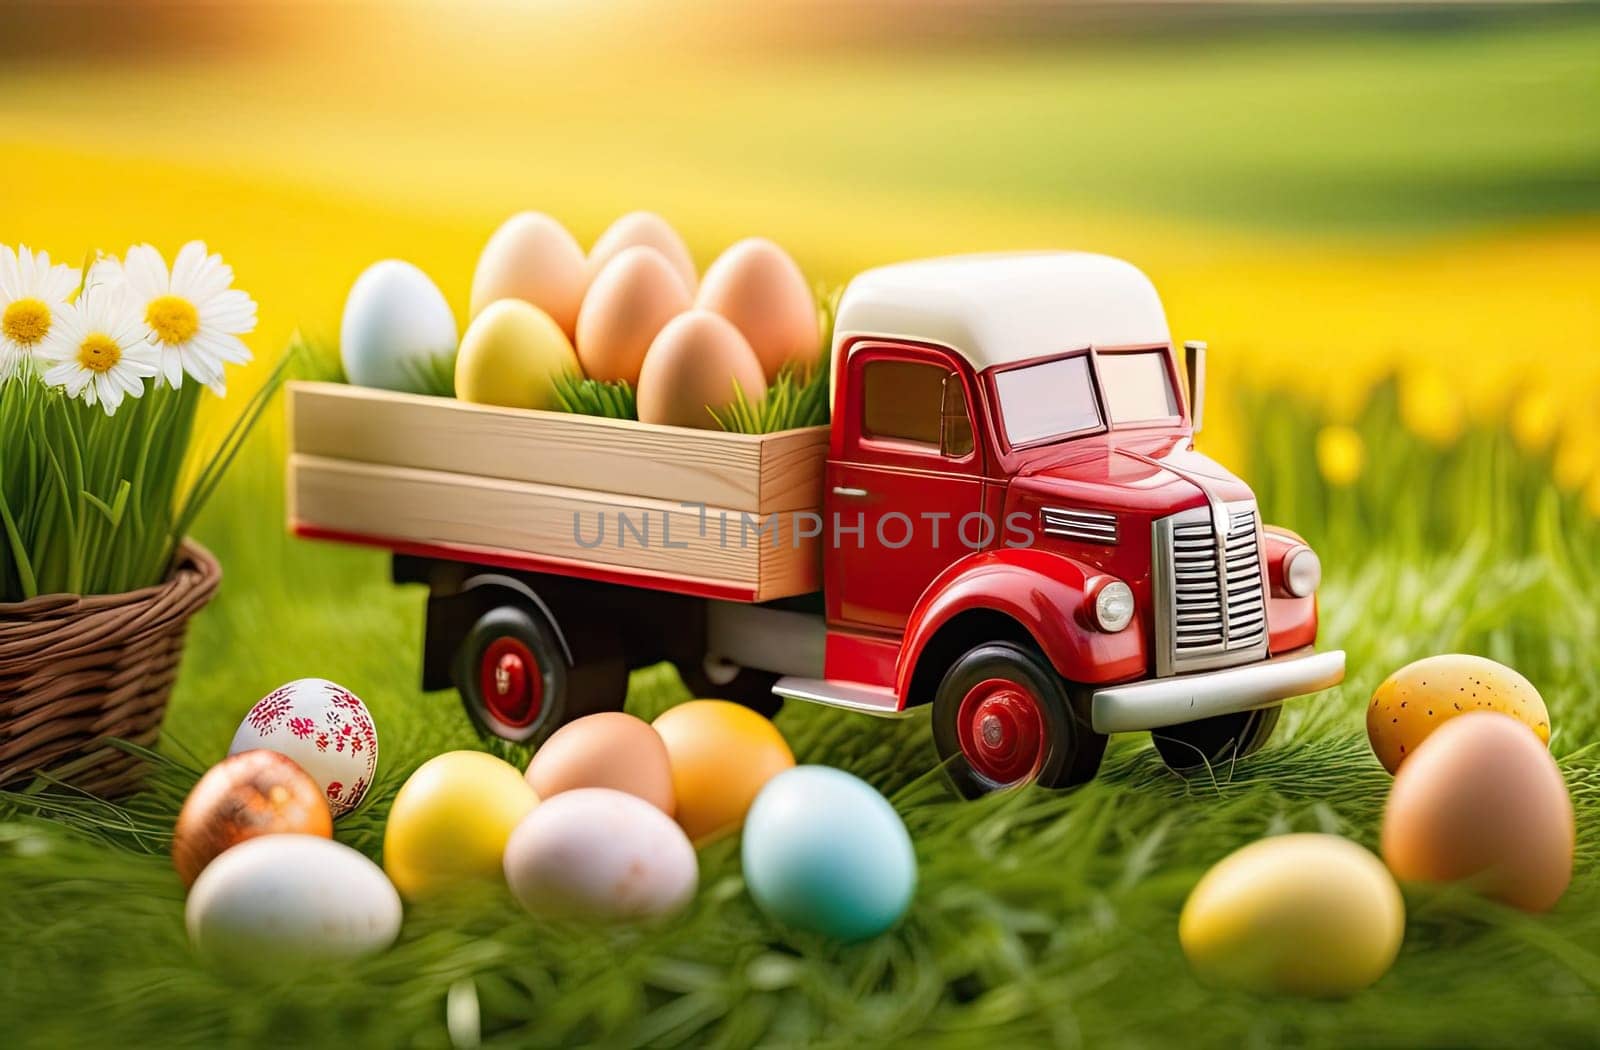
column 1006, row 521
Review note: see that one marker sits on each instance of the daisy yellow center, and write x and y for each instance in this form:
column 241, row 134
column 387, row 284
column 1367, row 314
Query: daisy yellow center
column 173, row 319
column 26, row 321
column 99, row 353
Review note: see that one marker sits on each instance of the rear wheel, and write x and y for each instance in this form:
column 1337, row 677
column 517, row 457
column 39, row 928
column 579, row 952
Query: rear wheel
column 1002, row 718
column 1208, row 743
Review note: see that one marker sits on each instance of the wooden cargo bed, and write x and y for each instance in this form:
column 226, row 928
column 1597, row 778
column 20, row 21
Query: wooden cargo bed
column 691, row 510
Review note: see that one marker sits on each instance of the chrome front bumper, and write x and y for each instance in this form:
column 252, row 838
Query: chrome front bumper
column 1157, row 702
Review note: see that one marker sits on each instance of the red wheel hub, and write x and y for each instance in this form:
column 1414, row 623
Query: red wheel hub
column 1001, row 731
column 511, row 682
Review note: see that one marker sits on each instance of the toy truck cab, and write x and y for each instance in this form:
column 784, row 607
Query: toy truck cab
column 1019, row 532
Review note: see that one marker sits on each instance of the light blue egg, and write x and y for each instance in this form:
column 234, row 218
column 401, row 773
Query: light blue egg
column 397, row 332
column 823, row 851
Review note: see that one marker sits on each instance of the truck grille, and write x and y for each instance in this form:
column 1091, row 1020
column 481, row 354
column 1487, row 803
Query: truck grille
column 1211, row 606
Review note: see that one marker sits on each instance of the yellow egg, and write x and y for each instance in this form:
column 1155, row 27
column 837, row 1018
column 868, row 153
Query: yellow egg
column 693, row 364
column 511, row 355
column 759, row 288
column 1421, row 696
column 628, row 304
column 1312, row 915
column 647, row 229
column 450, row 822
column 722, row 755
column 532, row 257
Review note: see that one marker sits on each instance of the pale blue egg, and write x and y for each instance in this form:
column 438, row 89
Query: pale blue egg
column 397, row 332
column 823, row 851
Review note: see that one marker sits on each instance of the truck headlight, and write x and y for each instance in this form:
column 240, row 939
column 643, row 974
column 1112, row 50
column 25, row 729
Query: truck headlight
column 1302, row 572
column 1113, row 606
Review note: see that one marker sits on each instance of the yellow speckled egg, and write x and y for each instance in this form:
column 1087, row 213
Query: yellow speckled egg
column 757, row 286
column 511, row 355
column 722, row 755
column 451, row 820
column 628, row 304
column 691, row 366
column 1421, row 696
column 649, row 230
column 532, row 257
column 1312, row 915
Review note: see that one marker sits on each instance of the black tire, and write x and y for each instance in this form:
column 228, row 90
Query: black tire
column 1216, row 742
column 531, row 629
column 1068, row 749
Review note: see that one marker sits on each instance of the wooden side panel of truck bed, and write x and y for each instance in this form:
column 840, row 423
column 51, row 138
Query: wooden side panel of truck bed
column 682, row 509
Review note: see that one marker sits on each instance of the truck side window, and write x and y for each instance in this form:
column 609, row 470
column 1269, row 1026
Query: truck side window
column 907, row 401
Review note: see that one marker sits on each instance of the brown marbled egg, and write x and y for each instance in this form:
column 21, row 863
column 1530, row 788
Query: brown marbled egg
column 244, row 796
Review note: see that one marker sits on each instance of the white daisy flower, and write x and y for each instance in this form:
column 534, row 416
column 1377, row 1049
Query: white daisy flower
column 98, row 348
column 31, row 293
column 192, row 315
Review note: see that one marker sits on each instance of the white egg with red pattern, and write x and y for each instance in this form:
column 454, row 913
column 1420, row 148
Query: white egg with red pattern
column 325, row 729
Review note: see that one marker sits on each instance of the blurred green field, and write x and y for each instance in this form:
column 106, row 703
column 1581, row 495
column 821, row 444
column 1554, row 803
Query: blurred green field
column 1337, row 209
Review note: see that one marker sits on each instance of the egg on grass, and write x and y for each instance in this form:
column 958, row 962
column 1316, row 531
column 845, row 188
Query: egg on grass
column 595, row 853
column 647, row 229
column 1422, row 696
column 284, row 902
column 450, row 822
column 397, row 331
column 1483, row 803
column 628, row 304
column 325, row 729
column 512, row 354
column 611, row 749
column 1306, row 914
column 824, row 851
column 532, row 258
column 722, row 755
column 692, row 366
column 245, row 796
column 757, row 286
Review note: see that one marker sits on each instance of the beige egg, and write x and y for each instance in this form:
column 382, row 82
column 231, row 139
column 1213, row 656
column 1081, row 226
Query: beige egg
column 693, row 365
column 1421, row 696
column 628, row 304
column 532, row 257
column 648, row 230
column 1483, row 803
column 611, row 749
column 759, row 288
column 511, row 356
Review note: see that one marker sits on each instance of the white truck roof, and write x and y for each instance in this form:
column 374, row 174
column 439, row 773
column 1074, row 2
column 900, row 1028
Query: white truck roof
column 997, row 309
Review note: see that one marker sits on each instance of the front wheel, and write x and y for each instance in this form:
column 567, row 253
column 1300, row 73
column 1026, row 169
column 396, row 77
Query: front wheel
column 1209, row 743
column 1002, row 718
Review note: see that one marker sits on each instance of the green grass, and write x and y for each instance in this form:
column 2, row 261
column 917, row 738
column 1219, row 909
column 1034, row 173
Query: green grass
column 1040, row 918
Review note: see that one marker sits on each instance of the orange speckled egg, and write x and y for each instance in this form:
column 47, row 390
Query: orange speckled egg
column 532, row 257
column 1482, row 801
column 606, row 750
column 759, row 288
column 722, row 756
column 649, row 230
column 692, row 365
column 1421, row 696
column 247, row 795
column 628, row 304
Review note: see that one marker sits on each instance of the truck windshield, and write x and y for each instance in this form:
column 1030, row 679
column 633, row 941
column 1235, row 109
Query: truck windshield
column 1054, row 399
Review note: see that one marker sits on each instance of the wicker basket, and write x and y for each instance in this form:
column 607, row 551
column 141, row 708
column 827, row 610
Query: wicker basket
column 75, row 671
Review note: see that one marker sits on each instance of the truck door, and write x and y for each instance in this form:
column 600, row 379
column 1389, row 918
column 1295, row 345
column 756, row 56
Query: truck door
column 905, row 491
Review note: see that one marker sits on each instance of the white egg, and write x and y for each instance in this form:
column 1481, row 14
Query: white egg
column 598, row 853
column 397, row 328
column 285, row 900
column 325, row 729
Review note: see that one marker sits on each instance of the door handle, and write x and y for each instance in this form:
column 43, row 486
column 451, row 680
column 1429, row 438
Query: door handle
column 846, row 490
